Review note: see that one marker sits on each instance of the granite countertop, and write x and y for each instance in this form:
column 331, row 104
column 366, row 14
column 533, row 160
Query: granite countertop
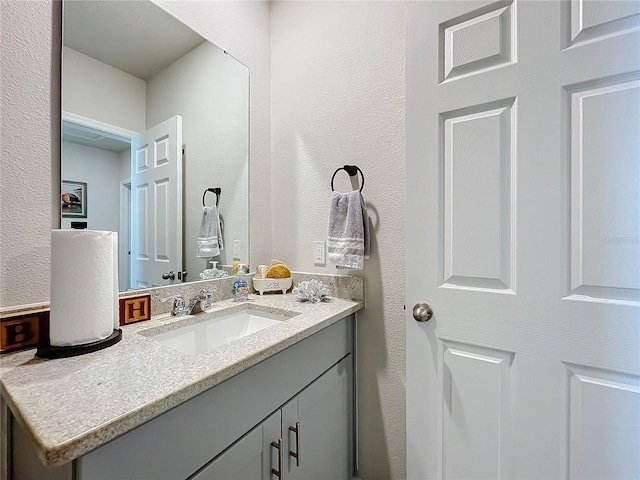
column 71, row 406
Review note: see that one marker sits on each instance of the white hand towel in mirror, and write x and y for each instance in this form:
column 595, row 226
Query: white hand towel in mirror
column 209, row 242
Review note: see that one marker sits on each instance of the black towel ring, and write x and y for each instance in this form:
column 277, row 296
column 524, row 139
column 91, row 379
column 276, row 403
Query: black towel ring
column 351, row 170
column 216, row 190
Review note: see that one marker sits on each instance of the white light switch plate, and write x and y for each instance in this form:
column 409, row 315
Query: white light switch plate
column 318, row 253
column 236, row 249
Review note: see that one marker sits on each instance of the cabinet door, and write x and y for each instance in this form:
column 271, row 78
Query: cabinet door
column 321, row 413
column 251, row 458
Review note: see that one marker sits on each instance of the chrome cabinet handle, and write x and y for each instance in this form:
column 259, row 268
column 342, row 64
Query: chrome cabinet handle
column 296, row 454
column 278, row 472
column 169, row 276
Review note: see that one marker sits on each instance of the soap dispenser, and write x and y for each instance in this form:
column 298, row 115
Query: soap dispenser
column 240, row 287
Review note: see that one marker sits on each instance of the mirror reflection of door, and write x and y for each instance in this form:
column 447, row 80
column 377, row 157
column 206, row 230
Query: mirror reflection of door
column 115, row 160
column 131, row 66
column 156, row 204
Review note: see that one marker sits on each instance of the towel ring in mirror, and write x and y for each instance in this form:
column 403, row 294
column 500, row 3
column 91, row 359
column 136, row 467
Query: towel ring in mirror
column 351, row 170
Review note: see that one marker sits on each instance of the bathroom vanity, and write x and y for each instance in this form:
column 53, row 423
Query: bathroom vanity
column 273, row 404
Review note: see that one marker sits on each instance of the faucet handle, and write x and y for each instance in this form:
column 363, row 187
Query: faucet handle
column 179, row 306
column 177, row 297
column 206, row 295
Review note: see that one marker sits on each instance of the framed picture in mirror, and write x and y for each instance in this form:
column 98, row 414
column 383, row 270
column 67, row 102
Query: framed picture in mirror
column 73, row 199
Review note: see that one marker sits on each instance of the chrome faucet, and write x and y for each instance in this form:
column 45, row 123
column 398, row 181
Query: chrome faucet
column 201, row 302
column 179, row 306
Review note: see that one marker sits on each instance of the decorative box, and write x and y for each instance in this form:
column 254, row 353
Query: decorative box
column 262, row 285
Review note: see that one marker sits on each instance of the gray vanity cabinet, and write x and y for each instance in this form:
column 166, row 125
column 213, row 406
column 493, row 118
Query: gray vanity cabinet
column 315, row 427
column 251, row 458
column 226, row 431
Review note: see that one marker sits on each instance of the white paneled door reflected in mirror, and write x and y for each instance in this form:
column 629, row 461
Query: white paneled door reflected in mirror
column 152, row 116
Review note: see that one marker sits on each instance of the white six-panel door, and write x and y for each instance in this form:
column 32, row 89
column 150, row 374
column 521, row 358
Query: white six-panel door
column 156, row 204
column 523, row 228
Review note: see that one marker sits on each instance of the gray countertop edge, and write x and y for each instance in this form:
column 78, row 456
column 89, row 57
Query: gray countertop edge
column 55, row 454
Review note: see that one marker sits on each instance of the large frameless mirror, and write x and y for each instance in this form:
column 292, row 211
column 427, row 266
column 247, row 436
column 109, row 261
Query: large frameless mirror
column 155, row 126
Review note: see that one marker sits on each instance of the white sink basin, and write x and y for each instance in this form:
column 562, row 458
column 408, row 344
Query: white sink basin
column 207, row 335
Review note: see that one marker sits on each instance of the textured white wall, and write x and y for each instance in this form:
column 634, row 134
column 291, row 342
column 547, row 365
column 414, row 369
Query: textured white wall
column 338, row 97
column 210, row 90
column 101, row 92
column 29, row 147
column 30, row 48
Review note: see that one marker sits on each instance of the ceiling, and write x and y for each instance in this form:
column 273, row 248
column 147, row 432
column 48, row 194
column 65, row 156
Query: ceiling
column 106, row 31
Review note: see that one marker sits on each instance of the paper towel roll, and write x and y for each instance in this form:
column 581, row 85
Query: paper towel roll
column 84, row 286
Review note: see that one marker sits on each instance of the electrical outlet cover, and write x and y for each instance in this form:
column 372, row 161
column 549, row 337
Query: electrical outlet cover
column 318, row 253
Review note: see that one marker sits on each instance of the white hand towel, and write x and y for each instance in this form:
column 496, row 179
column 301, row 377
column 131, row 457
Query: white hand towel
column 348, row 241
column 209, row 242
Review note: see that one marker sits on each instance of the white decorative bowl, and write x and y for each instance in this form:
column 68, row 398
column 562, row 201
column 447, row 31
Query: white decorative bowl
column 262, row 285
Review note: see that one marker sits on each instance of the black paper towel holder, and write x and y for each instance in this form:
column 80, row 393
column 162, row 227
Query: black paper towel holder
column 52, row 351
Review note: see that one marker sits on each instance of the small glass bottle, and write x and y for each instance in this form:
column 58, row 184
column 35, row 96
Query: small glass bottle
column 240, row 287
